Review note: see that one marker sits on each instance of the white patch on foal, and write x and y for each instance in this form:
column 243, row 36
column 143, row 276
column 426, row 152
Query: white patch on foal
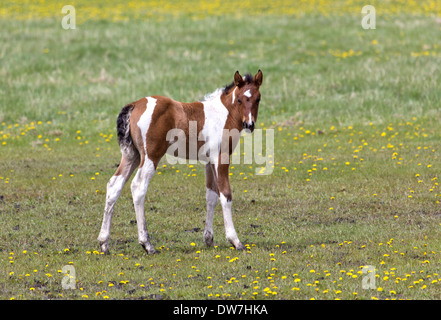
column 145, row 119
column 142, row 178
column 247, row 93
column 211, row 197
column 234, row 94
column 215, row 117
column 114, row 188
column 230, row 232
column 139, row 188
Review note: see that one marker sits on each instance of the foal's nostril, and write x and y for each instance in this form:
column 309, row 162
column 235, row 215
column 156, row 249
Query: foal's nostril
column 245, row 125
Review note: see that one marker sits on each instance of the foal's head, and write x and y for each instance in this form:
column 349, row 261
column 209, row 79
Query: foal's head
column 248, row 97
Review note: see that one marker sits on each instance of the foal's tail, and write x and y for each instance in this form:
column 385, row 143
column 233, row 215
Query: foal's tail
column 123, row 129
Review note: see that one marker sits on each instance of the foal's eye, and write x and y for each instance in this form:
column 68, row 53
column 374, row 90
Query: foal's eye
column 239, row 101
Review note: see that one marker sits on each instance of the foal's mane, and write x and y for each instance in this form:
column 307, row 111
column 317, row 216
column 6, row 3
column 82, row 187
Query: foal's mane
column 248, row 78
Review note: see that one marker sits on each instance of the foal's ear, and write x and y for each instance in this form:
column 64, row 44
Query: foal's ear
column 258, row 78
column 238, row 79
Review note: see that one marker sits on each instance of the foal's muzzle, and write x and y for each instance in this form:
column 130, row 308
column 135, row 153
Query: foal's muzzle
column 249, row 126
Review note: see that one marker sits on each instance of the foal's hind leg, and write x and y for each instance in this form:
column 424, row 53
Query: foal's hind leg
column 139, row 189
column 114, row 188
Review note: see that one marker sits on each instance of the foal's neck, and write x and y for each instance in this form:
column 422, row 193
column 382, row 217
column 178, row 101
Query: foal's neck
column 234, row 120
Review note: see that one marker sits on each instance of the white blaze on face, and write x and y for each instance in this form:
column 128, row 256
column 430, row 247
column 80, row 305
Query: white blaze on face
column 248, row 94
column 146, row 119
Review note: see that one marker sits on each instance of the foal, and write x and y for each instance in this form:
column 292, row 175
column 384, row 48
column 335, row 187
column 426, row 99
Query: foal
column 143, row 127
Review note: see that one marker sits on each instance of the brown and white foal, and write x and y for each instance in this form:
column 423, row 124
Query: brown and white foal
column 143, row 128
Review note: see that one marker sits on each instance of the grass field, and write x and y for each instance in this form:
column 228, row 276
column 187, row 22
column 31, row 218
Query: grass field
column 356, row 174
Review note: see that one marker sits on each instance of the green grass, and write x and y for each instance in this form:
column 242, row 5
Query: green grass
column 371, row 119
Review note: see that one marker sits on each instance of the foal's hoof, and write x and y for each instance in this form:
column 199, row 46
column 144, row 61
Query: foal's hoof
column 208, row 239
column 240, row 246
column 149, row 249
column 209, row 243
column 104, row 248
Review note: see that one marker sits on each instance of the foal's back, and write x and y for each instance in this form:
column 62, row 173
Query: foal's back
column 153, row 117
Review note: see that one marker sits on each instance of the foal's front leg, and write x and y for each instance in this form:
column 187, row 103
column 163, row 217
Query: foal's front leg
column 212, row 197
column 225, row 197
